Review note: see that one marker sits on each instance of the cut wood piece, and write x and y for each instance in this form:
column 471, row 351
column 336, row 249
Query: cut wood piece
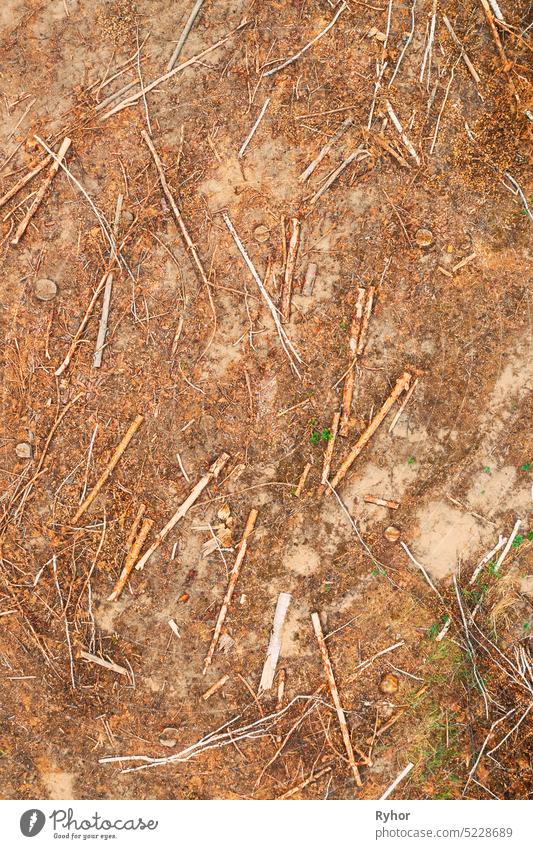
column 23, row 181
column 349, row 381
column 107, row 664
column 183, row 509
column 303, row 477
column 119, row 451
column 309, row 282
column 131, row 557
column 312, row 778
column 408, row 144
column 403, row 405
column 135, row 526
column 355, row 156
column 54, row 168
column 215, row 688
column 185, row 34
column 335, row 696
column 290, row 265
column 401, row 384
column 83, row 324
column 381, row 502
column 304, row 176
column 234, row 575
column 403, row 774
column 328, row 453
column 274, row 645
column 102, row 327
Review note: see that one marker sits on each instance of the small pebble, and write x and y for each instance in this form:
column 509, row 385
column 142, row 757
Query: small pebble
column 423, row 237
column 45, row 289
column 169, row 737
column 23, row 450
column 389, row 683
column 392, row 534
column 261, row 233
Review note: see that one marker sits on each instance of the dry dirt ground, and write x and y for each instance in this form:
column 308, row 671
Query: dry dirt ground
column 204, row 365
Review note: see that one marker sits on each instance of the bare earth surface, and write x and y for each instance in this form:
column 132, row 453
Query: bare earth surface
column 199, row 357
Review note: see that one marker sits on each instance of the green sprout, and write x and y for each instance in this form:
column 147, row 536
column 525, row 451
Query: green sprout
column 526, row 467
column 410, row 461
column 518, row 540
column 487, row 469
column 379, row 571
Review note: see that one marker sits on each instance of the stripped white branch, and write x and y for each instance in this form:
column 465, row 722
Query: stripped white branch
column 274, row 645
column 251, row 134
column 405, row 772
column 508, row 545
column 185, row 34
column 304, row 49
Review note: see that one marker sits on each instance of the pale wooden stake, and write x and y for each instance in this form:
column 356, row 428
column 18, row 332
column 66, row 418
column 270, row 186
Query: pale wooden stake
column 107, row 664
column 54, row 168
column 119, row 451
column 131, row 557
column 401, row 384
column 335, row 696
column 215, row 688
column 234, row 575
column 381, row 502
column 182, row 510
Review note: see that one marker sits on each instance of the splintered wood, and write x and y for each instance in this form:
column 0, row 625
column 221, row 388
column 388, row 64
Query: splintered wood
column 290, row 265
column 401, row 385
column 357, row 342
column 234, row 576
column 335, row 696
column 106, row 474
column 183, row 509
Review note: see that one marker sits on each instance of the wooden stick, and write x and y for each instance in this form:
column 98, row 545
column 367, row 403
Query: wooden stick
column 79, row 332
column 233, row 578
column 464, row 55
column 177, row 214
column 304, row 49
column 303, row 477
column 401, row 384
column 185, row 34
column 182, row 510
column 403, row 405
column 143, row 91
column 381, row 502
column 131, row 557
column 107, row 664
column 506, row 65
column 23, row 181
column 356, row 155
column 328, row 453
column 312, row 778
column 405, row 772
column 119, row 451
column 282, row 679
column 304, row 176
column 349, row 381
column 251, row 134
column 54, row 168
column 508, row 545
column 135, row 526
column 289, row 349
column 292, row 254
column 386, row 145
column 104, row 317
column 335, row 696
column 215, row 688
column 274, row 644
column 370, row 292
column 403, row 136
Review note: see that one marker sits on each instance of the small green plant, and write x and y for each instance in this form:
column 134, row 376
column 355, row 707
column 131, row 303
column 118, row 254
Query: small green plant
column 378, row 570
column 343, row 324
column 526, row 467
column 435, row 629
column 487, row 469
column 530, row 536
column 411, row 461
column 491, row 569
column 526, row 626
column 518, row 540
